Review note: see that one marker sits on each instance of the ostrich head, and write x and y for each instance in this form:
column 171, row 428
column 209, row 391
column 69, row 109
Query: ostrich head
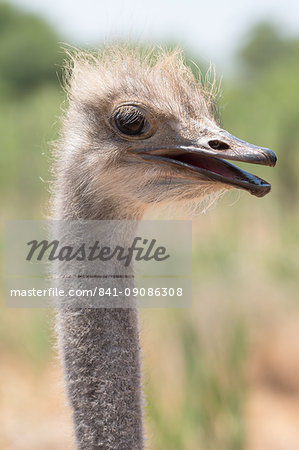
column 144, row 131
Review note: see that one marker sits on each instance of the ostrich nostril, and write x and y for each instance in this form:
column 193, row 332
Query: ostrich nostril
column 218, row 145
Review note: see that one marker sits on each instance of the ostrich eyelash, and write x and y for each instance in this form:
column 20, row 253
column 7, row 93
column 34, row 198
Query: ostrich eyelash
column 129, row 115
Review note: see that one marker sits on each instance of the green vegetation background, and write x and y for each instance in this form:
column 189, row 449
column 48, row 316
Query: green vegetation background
column 245, row 252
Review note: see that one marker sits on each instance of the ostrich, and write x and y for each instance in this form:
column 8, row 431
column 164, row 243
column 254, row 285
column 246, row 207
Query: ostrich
column 139, row 132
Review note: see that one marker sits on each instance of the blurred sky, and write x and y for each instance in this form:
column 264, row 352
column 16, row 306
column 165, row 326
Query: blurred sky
column 210, row 29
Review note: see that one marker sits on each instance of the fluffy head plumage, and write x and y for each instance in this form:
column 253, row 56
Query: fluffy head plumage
column 154, row 75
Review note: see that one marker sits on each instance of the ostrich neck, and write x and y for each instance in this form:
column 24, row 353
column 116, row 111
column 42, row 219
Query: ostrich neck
column 101, row 356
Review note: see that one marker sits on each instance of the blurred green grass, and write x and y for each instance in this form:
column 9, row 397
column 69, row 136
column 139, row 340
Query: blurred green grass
column 26, row 126
column 245, row 252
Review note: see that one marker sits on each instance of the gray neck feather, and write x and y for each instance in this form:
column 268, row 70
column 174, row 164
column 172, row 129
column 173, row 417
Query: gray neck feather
column 101, row 358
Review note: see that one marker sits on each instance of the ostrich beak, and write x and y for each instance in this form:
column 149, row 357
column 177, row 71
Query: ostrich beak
column 209, row 159
column 227, row 146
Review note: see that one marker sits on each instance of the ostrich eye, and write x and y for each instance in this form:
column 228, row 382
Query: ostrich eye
column 130, row 121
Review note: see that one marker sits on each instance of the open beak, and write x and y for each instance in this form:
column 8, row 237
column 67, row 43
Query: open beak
column 209, row 159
